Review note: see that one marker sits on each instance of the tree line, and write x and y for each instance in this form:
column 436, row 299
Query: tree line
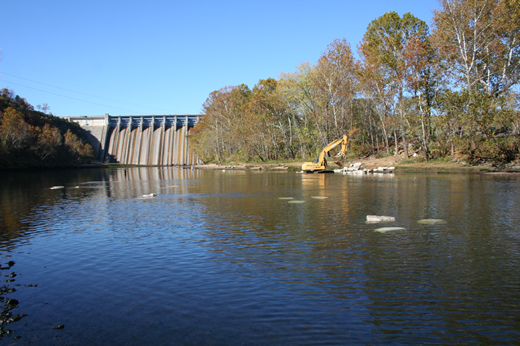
column 31, row 138
column 451, row 91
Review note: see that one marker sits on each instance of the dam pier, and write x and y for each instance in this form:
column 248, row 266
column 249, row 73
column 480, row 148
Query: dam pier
column 154, row 140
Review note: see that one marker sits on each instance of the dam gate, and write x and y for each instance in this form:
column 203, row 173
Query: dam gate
column 158, row 140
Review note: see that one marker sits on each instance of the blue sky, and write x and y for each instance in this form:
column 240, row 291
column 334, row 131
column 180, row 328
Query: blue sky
column 165, row 57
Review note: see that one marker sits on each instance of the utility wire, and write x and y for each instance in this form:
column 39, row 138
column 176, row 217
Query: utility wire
column 77, row 92
column 68, row 97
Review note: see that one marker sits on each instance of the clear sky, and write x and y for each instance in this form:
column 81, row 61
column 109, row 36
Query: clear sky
column 165, row 57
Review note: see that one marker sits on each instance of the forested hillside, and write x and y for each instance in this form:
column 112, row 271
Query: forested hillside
column 30, row 138
column 448, row 91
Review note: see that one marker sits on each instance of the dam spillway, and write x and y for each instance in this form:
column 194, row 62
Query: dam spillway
column 140, row 140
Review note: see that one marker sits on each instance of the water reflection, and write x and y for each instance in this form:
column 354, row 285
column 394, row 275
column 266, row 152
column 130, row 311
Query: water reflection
column 224, row 258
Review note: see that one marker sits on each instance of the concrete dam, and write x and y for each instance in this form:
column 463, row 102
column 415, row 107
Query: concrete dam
column 155, row 140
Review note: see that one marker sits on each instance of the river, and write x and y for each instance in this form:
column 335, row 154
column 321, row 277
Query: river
column 258, row 258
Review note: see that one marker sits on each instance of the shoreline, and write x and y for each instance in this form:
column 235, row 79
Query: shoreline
column 295, row 166
column 372, row 163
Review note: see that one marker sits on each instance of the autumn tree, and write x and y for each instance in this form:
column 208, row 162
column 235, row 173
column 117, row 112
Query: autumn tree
column 480, row 39
column 303, row 99
column 383, row 51
column 218, row 133
column 268, row 122
column 479, row 42
column 14, row 131
column 423, row 80
column 320, row 97
column 29, row 138
column 78, row 152
column 335, row 81
column 49, row 143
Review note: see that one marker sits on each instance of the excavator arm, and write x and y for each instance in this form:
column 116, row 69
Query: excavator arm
column 320, row 163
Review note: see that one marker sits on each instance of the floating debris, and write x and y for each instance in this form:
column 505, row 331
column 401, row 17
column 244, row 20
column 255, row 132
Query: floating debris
column 431, row 221
column 376, row 218
column 296, row 202
column 285, row 197
column 320, row 197
column 57, row 187
column 389, row 229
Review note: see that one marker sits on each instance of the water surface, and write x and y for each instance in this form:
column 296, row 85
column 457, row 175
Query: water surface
column 260, row 258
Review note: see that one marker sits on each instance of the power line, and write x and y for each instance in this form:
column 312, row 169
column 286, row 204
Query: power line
column 77, row 92
column 68, row 97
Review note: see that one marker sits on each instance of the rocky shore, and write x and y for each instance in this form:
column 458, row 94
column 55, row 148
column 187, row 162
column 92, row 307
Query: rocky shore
column 8, row 304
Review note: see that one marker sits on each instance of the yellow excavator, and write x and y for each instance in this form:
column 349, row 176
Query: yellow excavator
column 320, row 163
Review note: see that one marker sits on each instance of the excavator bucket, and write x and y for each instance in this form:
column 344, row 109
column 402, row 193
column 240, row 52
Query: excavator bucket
column 340, row 162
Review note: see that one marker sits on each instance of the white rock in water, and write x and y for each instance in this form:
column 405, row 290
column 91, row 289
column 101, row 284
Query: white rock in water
column 57, row 187
column 389, row 229
column 430, row 221
column 376, row 218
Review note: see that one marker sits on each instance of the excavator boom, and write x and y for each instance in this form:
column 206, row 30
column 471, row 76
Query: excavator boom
column 320, row 163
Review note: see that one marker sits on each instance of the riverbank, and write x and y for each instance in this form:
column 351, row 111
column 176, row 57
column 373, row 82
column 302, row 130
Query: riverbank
column 401, row 165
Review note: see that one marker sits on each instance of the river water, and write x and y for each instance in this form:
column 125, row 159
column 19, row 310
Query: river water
column 259, row 258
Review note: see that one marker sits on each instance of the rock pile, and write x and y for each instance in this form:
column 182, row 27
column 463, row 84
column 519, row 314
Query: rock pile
column 356, row 168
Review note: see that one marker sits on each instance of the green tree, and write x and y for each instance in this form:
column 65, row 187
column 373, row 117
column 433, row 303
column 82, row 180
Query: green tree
column 383, row 51
column 479, row 43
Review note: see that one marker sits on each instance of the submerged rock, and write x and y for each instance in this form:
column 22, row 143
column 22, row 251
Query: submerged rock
column 12, row 302
column 57, row 187
column 389, row 229
column 377, row 218
column 431, row 221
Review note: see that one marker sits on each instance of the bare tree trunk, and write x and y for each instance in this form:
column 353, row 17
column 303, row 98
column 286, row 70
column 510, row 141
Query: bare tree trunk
column 395, row 141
